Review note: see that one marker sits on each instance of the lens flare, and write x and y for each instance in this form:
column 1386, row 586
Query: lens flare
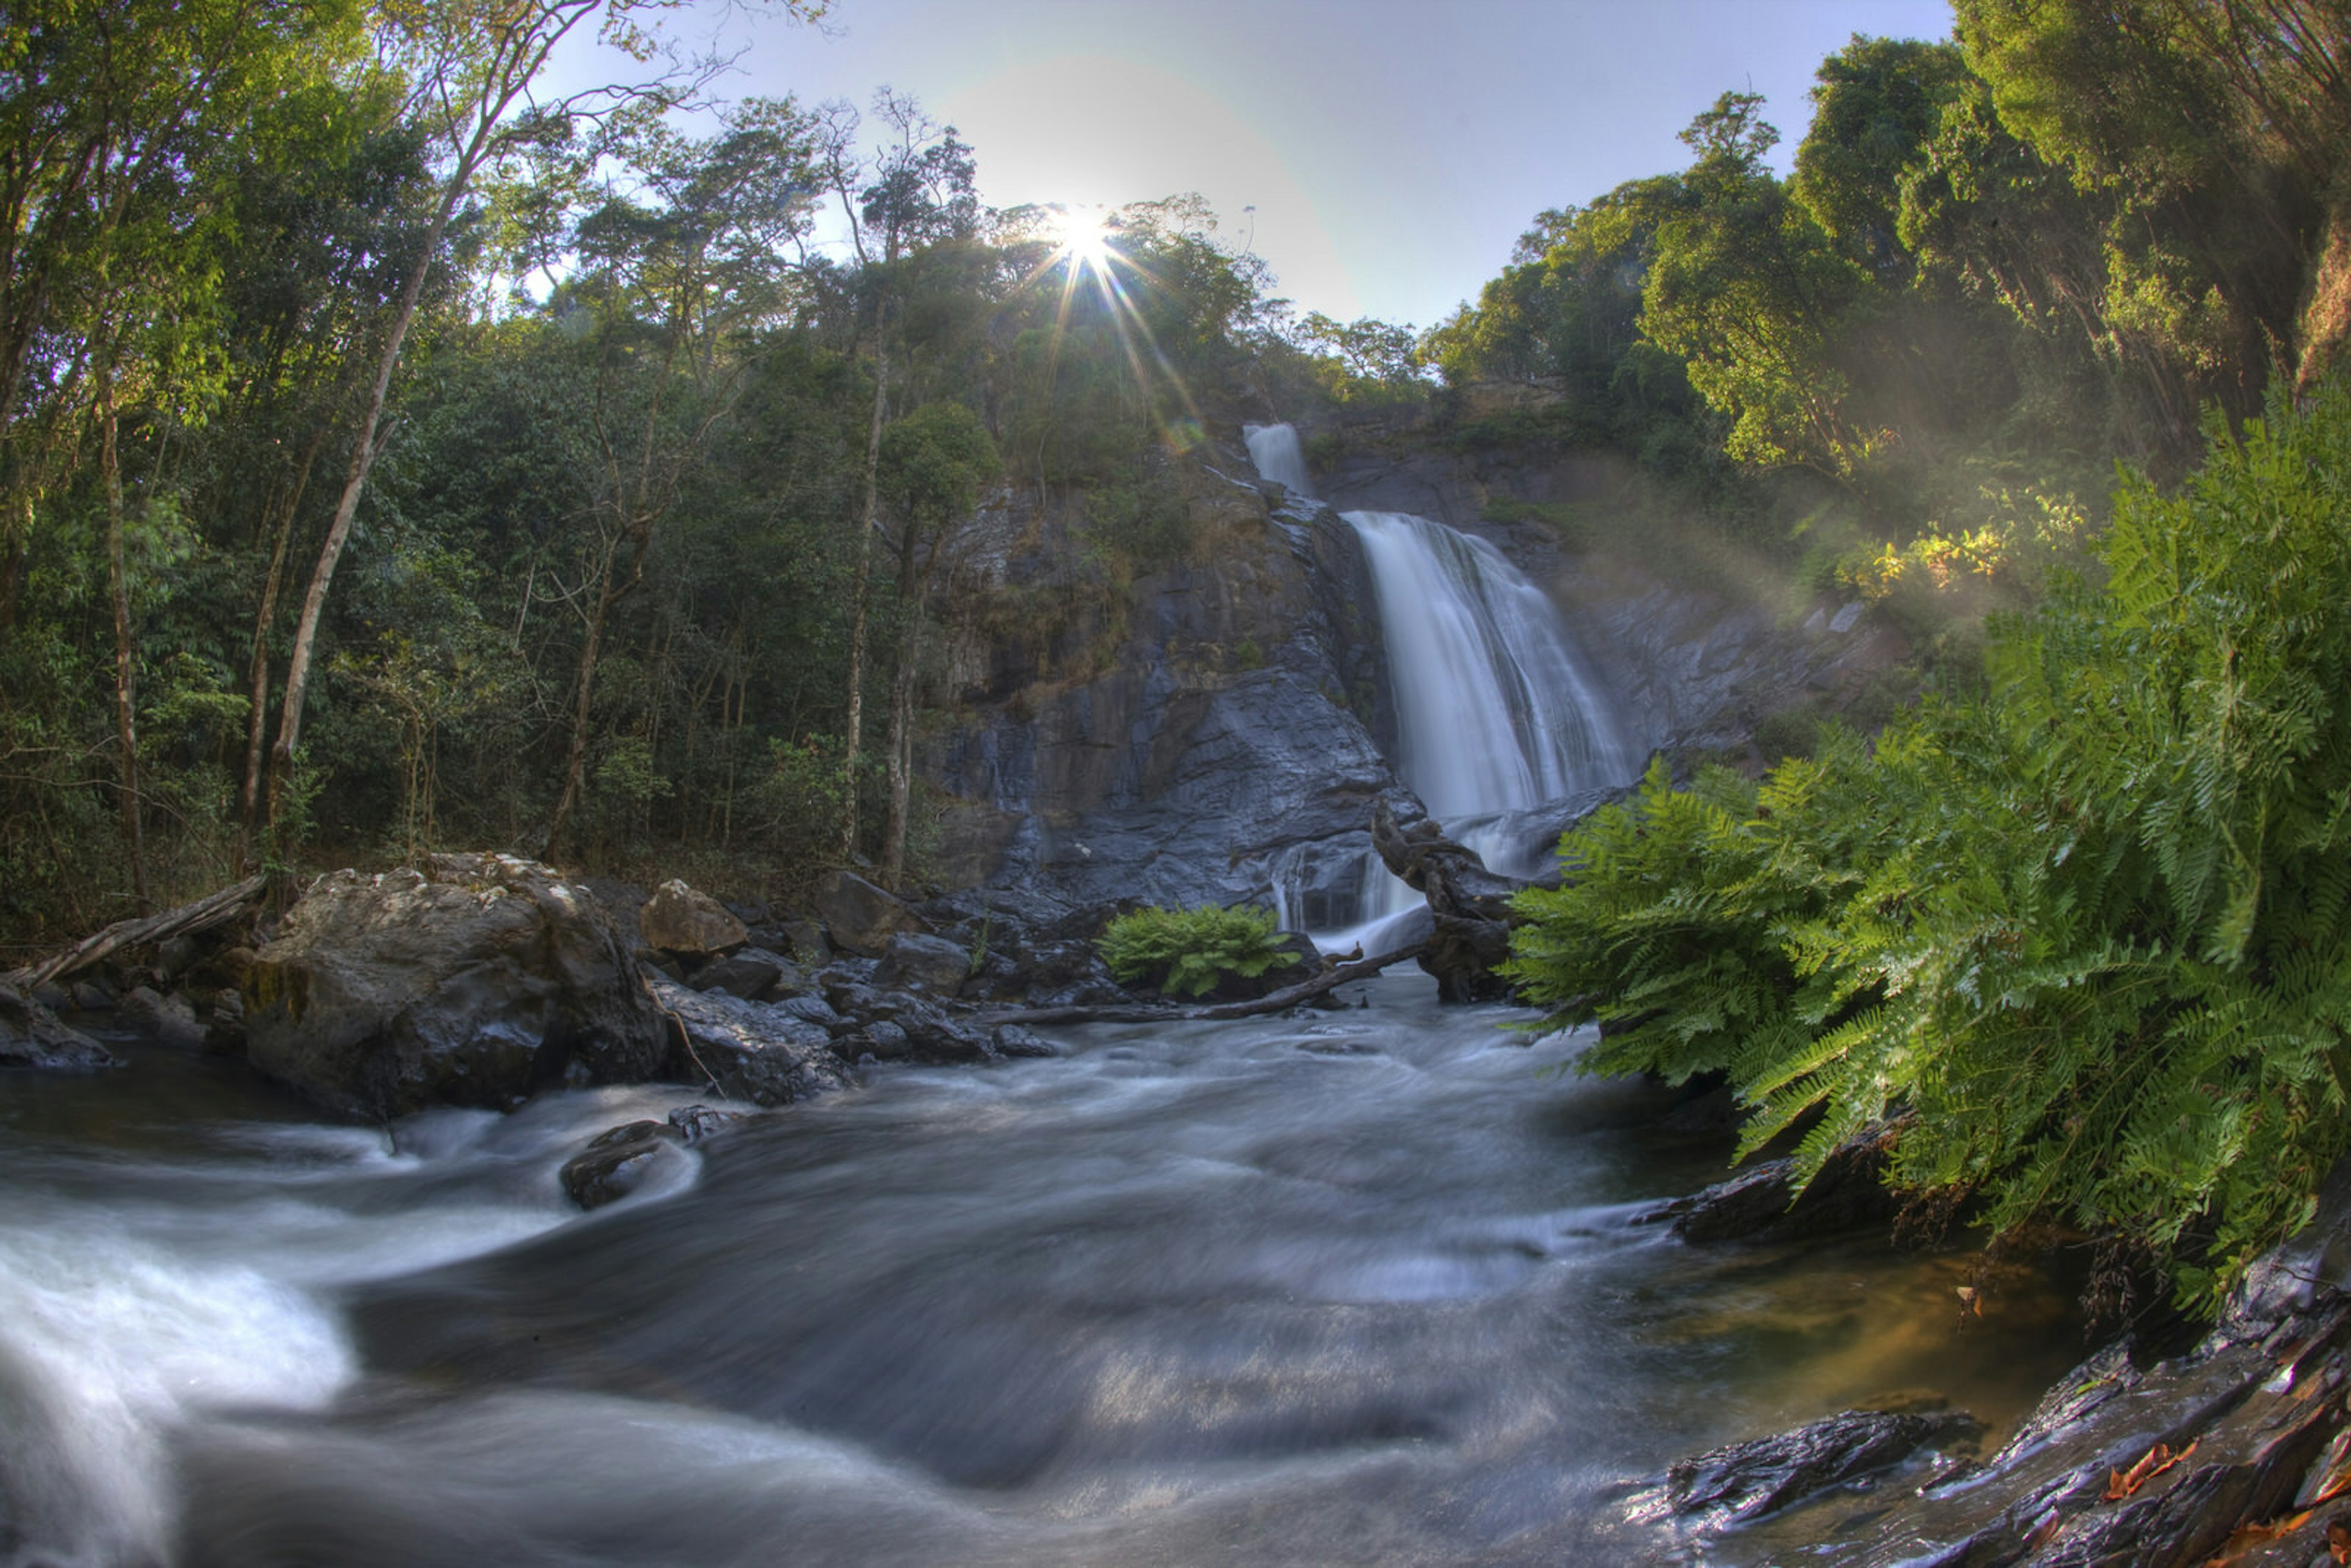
column 1085, row 235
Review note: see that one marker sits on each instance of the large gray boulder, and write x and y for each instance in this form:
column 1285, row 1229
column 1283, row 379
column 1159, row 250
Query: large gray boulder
column 31, row 1036
column 472, row 981
column 862, row 917
column 678, row 919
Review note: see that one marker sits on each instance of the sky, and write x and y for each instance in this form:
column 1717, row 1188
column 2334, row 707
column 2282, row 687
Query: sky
column 1379, row 155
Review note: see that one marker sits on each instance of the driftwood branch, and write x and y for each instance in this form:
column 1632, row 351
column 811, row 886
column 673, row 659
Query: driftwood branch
column 215, row 909
column 1161, row 1012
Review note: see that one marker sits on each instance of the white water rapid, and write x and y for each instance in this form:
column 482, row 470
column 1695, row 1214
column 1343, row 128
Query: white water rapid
column 1497, row 710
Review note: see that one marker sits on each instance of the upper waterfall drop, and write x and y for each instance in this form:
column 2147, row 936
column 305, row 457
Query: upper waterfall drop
column 1497, row 709
column 1275, row 450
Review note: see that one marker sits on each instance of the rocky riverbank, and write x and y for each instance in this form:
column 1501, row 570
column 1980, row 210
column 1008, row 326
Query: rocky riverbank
column 480, row 980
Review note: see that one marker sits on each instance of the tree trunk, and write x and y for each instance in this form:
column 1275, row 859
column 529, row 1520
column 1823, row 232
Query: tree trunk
column 126, row 729
column 520, row 49
column 257, row 723
column 900, row 747
column 575, row 756
column 868, row 518
column 339, row 532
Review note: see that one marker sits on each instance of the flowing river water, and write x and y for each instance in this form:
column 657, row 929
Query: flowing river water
column 1360, row 1287
column 1357, row 1287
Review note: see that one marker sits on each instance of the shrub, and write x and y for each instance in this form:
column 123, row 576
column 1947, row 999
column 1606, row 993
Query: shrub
column 1184, row 952
column 2088, row 934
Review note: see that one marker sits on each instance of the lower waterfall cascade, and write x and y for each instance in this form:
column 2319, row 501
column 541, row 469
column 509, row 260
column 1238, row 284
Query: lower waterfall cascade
column 1497, row 711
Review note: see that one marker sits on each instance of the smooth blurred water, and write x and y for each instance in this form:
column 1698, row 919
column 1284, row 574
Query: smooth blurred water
column 1497, row 709
column 1357, row 1287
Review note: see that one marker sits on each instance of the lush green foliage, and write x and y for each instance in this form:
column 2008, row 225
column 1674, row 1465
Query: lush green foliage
column 1184, row 952
column 2087, row 935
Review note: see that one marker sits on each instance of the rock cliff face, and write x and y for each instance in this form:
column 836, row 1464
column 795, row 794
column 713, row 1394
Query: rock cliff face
column 1204, row 737
column 1220, row 731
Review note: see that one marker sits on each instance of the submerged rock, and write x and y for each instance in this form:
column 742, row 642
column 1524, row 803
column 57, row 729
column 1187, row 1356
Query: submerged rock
column 31, row 1036
column 620, row 1162
column 472, row 981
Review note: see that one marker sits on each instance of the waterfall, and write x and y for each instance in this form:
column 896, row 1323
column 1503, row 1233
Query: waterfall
column 1496, row 711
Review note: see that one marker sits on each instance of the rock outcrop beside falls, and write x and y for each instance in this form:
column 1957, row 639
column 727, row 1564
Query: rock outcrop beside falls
column 1213, row 736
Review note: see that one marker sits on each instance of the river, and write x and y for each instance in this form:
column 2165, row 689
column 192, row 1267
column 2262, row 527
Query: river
column 1358, row 1287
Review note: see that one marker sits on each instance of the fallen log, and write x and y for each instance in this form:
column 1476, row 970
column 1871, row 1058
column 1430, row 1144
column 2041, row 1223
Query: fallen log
column 1162, row 1012
column 214, row 909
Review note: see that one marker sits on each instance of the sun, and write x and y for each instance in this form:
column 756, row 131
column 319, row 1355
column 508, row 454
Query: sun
column 1085, row 235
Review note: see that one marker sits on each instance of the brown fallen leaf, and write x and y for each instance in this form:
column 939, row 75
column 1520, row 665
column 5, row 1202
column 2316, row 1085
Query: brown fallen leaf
column 2338, row 1542
column 2153, row 1463
column 1969, row 1301
column 2337, row 1480
column 2249, row 1536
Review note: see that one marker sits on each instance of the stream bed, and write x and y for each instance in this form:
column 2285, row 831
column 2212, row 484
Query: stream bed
column 1356, row 1287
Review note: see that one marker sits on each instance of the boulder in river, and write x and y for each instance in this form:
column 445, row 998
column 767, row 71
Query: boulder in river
column 31, row 1036
column 471, row 981
column 620, row 1161
column 677, row 919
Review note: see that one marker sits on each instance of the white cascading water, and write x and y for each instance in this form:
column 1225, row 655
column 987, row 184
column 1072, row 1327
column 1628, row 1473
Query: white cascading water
column 1495, row 710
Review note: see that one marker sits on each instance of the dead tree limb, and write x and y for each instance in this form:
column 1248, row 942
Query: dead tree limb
column 215, row 909
column 1161, row 1012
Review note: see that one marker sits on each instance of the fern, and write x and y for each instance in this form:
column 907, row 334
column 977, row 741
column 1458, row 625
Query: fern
column 1185, row 952
column 2086, row 936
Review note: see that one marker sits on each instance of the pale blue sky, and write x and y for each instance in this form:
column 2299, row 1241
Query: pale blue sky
column 1392, row 149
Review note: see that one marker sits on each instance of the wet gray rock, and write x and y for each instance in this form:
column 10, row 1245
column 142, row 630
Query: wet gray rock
column 620, row 1162
column 1761, row 1202
column 472, row 980
column 881, row 1039
column 748, row 1050
column 678, row 919
column 2153, row 1464
column 862, row 917
column 932, row 964
column 170, row 1019
column 1742, row 1480
column 31, row 1036
column 1014, row 1039
column 1218, row 738
column 90, row 997
column 923, row 1030
column 696, row 1123
column 808, row 1009
column 752, row 974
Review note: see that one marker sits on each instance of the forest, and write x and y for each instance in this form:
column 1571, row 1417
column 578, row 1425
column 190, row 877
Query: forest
column 393, row 457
